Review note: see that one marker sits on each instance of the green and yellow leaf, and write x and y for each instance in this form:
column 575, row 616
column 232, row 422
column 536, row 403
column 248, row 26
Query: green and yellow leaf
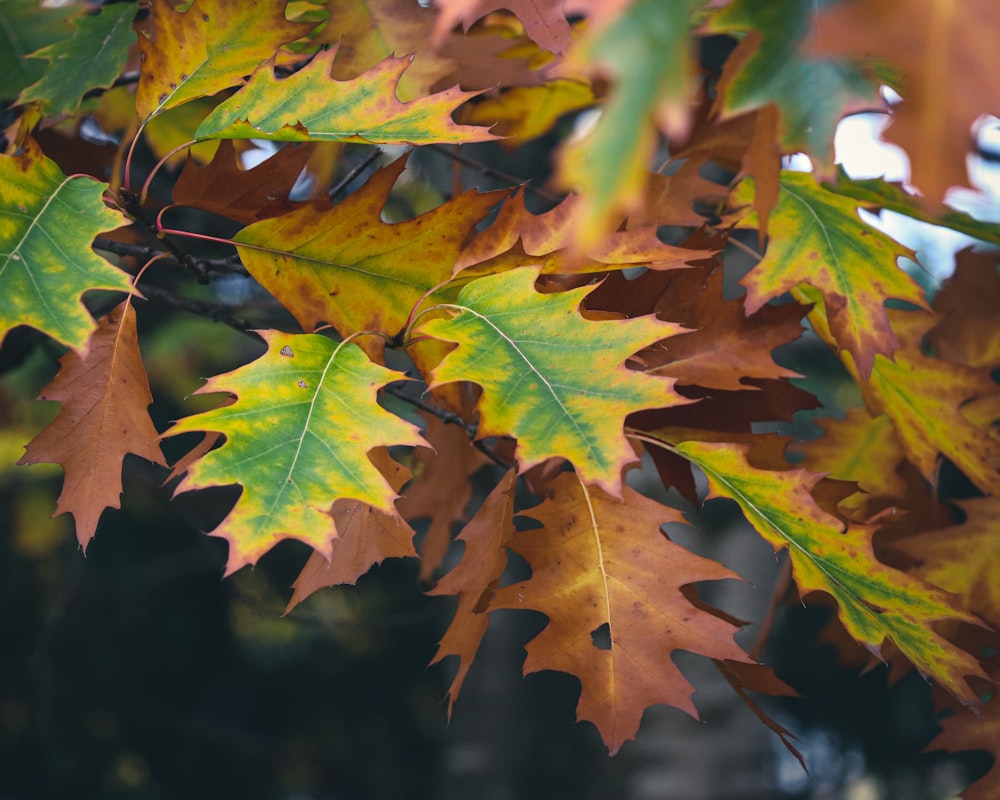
column 875, row 601
column 551, row 378
column 297, row 440
column 344, row 266
column 47, row 224
column 311, row 106
column 824, row 243
column 926, row 399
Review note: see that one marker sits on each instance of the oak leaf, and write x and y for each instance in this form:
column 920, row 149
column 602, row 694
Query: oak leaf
column 878, row 193
column 545, row 22
column 475, row 579
column 968, row 332
column 196, row 49
column 600, row 561
column 47, row 224
column 517, row 237
column 967, row 732
column 245, row 195
column 104, row 396
column 371, row 31
column 365, row 536
column 965, row 558
column 825, row 244
column 875, row 602
column 310, row 106
column 344, row 266
column 929, row 402
column 553, row 379
column 859, row 448
column 92, row 57
column 725, row 349
column 523, row 113
column 297, row 439
column 442, row 488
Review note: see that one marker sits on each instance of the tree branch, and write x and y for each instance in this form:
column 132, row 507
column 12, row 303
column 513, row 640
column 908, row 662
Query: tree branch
column 490, row 172
column 451, row 418
column 230, row 265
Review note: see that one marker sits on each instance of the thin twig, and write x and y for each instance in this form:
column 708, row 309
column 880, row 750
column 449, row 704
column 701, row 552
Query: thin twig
column 217, row 312
column 230, row 265
column 131, row 205
column 350, row 176
column 451, row 418
column 746, row 249
column 491, row 172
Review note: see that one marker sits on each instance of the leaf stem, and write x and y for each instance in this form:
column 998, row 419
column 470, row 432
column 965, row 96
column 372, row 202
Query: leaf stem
column 745, row 248
column 491, row 172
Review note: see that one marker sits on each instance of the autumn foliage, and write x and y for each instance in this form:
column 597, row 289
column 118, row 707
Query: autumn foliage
column 550, row 340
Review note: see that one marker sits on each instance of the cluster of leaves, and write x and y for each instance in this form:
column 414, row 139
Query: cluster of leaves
column 549, row 348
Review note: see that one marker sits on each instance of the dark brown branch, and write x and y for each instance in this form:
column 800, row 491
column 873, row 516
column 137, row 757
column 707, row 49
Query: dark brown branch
column 450, row 418
column 129, row 202
column 217, row 312
column 490, row 172
column 227, row 266
column 350, row 176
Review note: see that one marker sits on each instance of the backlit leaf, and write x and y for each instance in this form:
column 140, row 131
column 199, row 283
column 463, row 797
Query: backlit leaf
column 550, row 377
column 47, row 223
column 310, row 106
column 825, row 244
column 297, row 440
column 875, row 602
column 600, row 561
column 104, row 396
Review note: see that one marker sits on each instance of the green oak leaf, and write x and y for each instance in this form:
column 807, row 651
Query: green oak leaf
column 310, row 106
column 875, row 601
column 297, row 439
column 551, row 378
column 47, row 224
column 91, row 58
